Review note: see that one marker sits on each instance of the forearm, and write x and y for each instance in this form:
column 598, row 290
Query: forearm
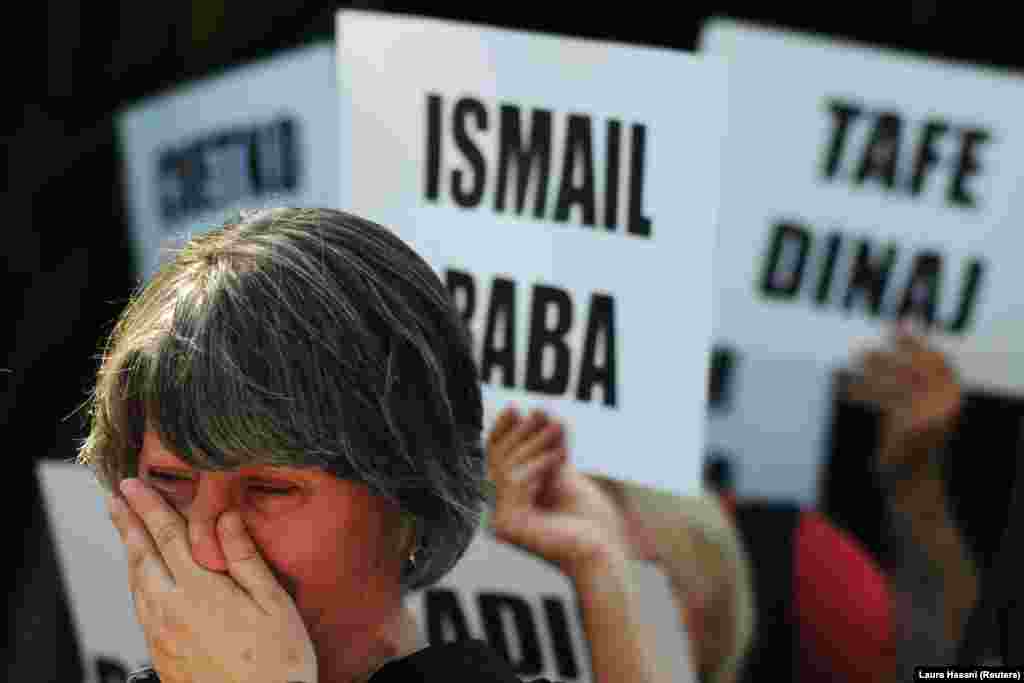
column 920, row 507
column 621, row 646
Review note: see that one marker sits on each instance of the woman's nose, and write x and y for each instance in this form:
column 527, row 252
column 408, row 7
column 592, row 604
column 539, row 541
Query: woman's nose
column 213, row 498
column 206, row 548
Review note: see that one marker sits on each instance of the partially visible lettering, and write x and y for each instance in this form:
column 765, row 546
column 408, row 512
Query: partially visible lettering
column 900, row 156
column 549, row 359
column 530, row 174
column 225, row 167
column 511, row 626
column 873, row 279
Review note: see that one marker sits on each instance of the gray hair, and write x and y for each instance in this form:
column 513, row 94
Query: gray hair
column 304, row 338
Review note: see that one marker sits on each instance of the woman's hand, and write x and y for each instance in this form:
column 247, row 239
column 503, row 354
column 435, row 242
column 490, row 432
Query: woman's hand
column 546, row 505
column 918, row 394
column 200, row 625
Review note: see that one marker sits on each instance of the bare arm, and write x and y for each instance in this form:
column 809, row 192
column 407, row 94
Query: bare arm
column 693, row 541
column 548, row 507
column 919, row 505
column 620, row 647
column 920, row 398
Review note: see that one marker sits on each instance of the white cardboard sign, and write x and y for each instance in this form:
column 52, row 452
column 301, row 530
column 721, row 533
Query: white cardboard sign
column 95, row 570
column 569, row 205
column 859, row 185
column 529, row 612
column 257, row 136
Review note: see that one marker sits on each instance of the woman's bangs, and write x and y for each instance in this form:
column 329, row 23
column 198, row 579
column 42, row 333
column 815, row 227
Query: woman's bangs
column 201, row 399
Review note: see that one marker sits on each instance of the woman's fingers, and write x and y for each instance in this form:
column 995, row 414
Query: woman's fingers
column 506, row 420
column 885, row 364
column 509, row 462
column 166, row 528
column 501, row 448
column 200, row 624
column 519, row 487
column 538, row 442
column 146, row 567
column 247, row 566
column 519, row 491
column 526, row 479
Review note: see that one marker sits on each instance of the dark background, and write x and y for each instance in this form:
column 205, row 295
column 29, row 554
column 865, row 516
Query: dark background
column 68, row 261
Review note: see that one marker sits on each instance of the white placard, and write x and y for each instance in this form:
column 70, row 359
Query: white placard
column 528, row 611
column 817, row 149
column 434, row 116
column 92, row 560
column 257, row 136
column 837, row 155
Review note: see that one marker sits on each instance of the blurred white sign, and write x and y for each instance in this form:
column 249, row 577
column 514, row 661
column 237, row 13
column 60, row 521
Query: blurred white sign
column 859, row 186
column 92, row 559
column 528, row 612
column 257, row 136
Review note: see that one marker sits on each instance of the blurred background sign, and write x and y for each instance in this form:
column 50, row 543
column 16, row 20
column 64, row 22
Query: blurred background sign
column 92, row 560
column 528, row 612
column 258, row 136
column 860, row 186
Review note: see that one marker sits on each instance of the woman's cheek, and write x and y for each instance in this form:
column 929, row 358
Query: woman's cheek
column 274, row 507
column 281, row 543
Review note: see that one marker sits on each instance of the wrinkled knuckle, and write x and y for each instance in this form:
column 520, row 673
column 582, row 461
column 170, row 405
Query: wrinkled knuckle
column 172, row 624
column 136, row 557
column 166, row 533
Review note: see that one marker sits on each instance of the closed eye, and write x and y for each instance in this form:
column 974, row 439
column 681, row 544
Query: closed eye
column 268, row 490
column 168, row 478
column 161, row 475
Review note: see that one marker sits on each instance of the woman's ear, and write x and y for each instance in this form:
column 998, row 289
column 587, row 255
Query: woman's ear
column 408, row 535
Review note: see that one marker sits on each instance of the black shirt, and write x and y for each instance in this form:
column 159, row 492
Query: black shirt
column 468, row 660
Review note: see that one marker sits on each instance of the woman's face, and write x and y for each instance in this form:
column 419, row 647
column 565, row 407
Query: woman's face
column 334, row 546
